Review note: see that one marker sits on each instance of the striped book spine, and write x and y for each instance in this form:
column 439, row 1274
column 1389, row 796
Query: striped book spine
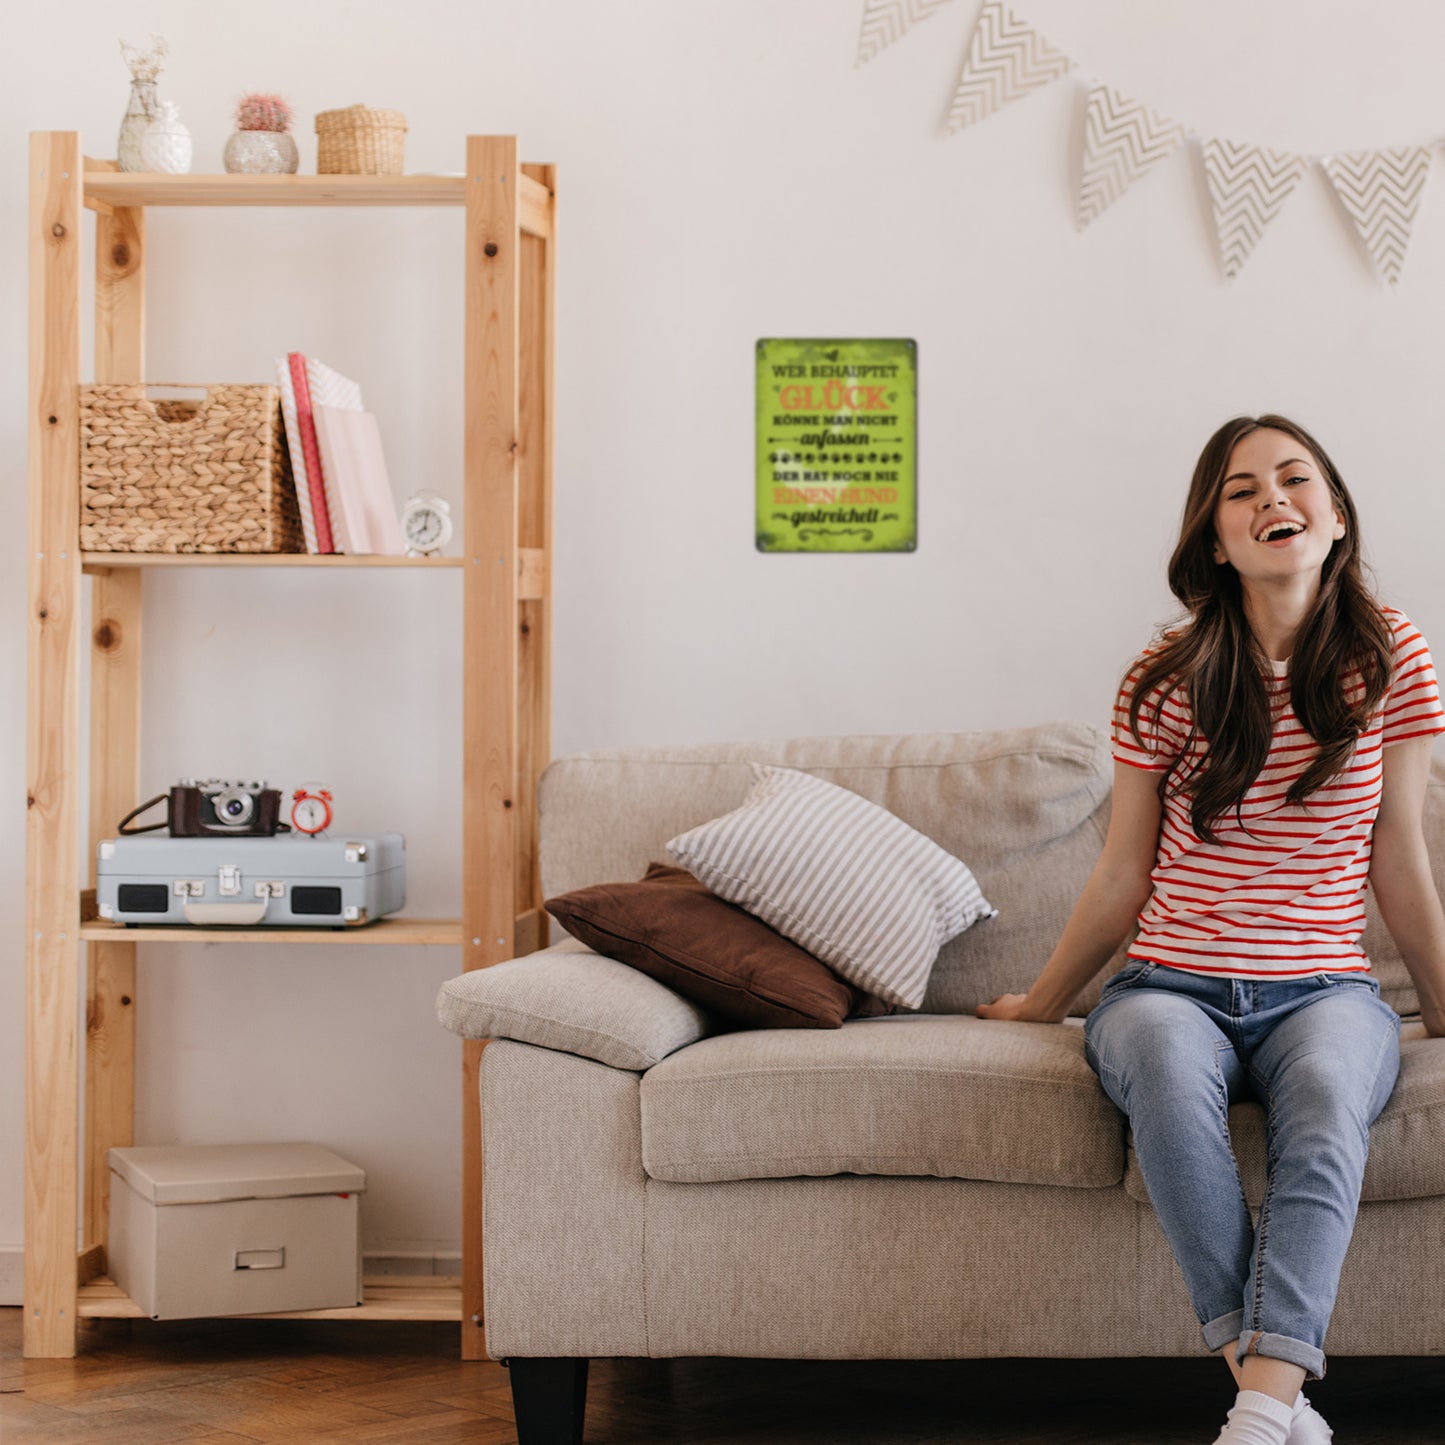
column 306, row 424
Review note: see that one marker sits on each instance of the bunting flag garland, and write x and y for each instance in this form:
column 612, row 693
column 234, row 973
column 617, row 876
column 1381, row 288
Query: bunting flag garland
column 1006, row 59
column 1248, row 186
column 1122, row 140
column 1381, row 190
column 885, row 21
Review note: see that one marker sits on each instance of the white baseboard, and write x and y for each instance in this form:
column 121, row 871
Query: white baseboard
column 12, row 1274
column 12, row 1268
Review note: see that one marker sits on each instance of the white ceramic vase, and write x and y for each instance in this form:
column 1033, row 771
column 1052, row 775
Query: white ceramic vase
column 261, row 152
column 166, row 146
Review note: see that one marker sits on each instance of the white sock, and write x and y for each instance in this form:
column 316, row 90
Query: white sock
column 1257, row 1419
column 1307, row 1425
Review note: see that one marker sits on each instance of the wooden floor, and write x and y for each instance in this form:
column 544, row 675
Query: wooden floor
column 136, row 1383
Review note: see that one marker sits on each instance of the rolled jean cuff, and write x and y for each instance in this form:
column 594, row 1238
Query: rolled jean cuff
column 1223, row 1331
column 1282, row 1347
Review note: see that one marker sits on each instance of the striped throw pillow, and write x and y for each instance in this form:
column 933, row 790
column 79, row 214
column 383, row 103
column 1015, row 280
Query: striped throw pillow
column 843, row 878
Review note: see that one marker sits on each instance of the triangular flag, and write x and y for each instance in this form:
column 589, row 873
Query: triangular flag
column 1248, row 186
column 1122, row 140
column 885, row 21
column 1381, row 190
column 1007, row 58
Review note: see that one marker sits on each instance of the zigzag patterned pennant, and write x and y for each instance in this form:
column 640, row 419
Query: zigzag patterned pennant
column 1122, row 140
column 1007, row 58
column 1248, row 186
column 1381, row 190
column 885, row 21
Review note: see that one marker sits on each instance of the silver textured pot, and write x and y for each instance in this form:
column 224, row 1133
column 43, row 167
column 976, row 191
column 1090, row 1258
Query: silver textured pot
column 261, row 153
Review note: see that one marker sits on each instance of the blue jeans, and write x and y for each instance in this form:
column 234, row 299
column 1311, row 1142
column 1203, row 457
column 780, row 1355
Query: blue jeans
column 1173, row 1050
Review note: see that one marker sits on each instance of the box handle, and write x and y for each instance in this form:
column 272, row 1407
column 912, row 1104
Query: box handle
column 151, row 404
column 260, row 1259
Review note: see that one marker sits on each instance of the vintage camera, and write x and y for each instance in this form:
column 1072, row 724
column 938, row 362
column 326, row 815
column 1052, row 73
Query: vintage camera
column 215, row 806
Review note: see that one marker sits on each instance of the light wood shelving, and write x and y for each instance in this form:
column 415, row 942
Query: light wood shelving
column 110, row 189
column 104, row 561
column 509, row 288
column 409, row 931
column 386, row 1297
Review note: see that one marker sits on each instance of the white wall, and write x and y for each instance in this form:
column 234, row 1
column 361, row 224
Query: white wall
column 727, row 173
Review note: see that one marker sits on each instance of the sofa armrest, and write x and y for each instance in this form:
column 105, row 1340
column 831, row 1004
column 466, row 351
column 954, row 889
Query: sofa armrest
column 573, row 1000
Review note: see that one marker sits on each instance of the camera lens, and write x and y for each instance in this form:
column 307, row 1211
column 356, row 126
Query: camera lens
column 234, row 807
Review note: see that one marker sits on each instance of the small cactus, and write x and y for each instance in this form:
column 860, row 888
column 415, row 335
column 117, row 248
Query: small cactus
column 263, row 112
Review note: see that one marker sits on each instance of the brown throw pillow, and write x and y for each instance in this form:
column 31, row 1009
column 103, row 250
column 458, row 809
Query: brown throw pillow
column 670, row 927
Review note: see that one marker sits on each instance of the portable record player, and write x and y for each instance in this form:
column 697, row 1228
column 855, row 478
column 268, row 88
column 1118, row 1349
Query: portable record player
column 249, row 881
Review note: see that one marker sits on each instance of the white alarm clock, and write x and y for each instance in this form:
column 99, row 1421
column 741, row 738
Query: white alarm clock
column 311, row 809
column 426, row 524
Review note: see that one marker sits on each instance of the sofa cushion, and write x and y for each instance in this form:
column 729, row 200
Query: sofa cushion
column 951, row 1097
column 674, row 929
column 842, row 877
column 575, row 1001
column 1026, row 807
column 1407, row 1141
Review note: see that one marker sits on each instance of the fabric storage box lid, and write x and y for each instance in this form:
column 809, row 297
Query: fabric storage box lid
column 212, row 1173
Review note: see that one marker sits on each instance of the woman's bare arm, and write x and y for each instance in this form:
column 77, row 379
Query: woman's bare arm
column 1400, row 875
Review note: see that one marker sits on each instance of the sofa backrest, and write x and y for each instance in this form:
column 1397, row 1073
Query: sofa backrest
column 1026, row 808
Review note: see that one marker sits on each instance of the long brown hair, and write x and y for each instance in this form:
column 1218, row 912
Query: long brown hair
column 1219, row 663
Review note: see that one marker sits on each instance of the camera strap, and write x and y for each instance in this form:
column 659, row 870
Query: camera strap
column 145, row 807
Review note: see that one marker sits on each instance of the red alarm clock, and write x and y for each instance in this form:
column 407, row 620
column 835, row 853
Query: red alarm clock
column 311, row 809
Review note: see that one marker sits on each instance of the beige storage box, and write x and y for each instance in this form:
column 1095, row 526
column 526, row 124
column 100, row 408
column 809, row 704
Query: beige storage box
column 235, row 1229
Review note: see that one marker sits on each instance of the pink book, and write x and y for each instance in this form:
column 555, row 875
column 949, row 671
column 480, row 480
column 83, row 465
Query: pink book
column 306, row 425
column 363, row 508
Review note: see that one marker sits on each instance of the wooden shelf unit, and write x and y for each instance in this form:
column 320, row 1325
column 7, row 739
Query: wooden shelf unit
column 394, row 930
column 386, row 1297
column 509, row 288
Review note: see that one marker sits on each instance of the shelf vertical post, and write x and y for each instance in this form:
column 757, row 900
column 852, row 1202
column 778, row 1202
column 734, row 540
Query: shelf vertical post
column 489, row 705
column 52, row 891
column 115, row 640
column 537, row 310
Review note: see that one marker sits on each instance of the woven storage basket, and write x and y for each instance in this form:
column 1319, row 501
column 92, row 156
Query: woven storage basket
column 186, row 476
column 359, row 142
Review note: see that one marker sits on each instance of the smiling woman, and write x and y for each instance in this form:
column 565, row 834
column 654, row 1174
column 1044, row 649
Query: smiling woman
column 1271, row 757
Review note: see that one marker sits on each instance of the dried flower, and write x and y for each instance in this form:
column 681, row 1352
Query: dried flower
column 263, row 112
column 144, row 64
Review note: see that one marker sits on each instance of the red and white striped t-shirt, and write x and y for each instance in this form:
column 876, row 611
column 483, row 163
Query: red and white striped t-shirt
column 1285, row 899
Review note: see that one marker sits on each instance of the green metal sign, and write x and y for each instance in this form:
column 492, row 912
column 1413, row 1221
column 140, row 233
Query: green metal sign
column 837, row 446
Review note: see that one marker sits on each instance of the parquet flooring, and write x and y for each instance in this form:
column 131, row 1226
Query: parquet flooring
column 140, row 1383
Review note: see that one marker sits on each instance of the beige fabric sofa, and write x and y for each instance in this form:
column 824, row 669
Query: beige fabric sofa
column 915, row 1186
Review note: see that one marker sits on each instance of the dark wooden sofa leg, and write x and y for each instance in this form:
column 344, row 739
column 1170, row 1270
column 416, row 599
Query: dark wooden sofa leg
column 549, row 1397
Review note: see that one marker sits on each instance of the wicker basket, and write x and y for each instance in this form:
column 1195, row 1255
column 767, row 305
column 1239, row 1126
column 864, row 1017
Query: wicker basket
column 186, row 476
column 359, row 142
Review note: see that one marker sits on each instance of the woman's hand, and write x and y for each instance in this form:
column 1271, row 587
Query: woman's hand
column 1011, row 1006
